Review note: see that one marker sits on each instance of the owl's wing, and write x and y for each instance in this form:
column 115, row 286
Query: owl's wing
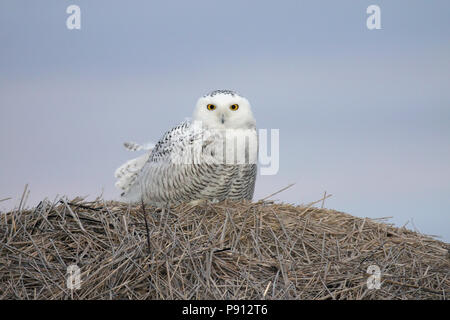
column 157, row 155
column 133, row 146
column 128, row 172
column 175, row 140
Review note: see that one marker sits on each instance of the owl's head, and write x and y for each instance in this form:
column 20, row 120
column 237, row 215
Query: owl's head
column 224, row 109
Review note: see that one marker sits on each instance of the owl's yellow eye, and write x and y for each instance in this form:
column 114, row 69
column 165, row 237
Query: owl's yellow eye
column 234, row 107
column 211, row 107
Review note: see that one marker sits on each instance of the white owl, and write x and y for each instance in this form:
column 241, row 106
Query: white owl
column 212, row 157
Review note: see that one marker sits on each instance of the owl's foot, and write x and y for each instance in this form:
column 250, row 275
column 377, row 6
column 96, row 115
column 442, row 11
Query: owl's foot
column 197, row 202
column 200, row 202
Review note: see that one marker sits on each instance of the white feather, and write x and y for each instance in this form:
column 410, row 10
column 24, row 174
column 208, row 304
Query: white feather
column 126, row 173
column 133, row 146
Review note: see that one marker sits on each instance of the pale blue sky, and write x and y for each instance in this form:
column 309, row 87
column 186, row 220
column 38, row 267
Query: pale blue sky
column 364, row 115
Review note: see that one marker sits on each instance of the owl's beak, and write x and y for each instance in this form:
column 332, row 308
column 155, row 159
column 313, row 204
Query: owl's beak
column 222, row 118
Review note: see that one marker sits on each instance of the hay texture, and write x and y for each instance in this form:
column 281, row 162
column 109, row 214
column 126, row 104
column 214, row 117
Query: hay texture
column 228, row 250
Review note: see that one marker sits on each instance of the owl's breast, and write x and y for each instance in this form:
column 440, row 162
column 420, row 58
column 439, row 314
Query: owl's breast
column 230, row 147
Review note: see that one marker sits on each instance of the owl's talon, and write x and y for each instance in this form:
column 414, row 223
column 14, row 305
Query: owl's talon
column 198, row 202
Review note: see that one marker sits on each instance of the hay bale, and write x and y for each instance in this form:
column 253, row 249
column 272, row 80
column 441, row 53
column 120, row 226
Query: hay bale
column 229, row 250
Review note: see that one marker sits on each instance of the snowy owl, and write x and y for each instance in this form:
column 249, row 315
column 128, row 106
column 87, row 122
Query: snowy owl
column 211, row 157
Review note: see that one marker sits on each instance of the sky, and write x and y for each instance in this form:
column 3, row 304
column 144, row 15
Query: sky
column 362, row 114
